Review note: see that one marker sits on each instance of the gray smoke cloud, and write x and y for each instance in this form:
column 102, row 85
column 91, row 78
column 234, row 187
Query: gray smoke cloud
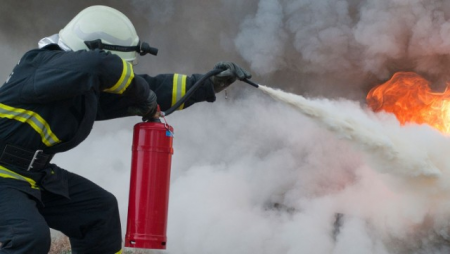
column 356, row 43
column 265, row 56
column 250, row 174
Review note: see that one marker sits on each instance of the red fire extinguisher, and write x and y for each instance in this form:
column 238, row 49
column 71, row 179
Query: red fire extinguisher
column 149, row 185
column 150, row 177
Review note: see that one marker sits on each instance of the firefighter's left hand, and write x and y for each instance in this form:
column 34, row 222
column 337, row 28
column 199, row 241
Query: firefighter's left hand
column 230, row 73
column 147, row 109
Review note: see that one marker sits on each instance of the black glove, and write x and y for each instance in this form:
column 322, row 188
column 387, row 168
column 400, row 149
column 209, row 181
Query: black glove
column 231, row 72
column 146, row 109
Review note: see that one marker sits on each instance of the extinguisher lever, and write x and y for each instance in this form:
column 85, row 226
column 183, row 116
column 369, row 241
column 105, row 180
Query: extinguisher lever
column 151, row 120
column 154, row 118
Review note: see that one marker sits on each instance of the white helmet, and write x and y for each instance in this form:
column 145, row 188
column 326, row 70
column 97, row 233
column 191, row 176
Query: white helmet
column 105, row 28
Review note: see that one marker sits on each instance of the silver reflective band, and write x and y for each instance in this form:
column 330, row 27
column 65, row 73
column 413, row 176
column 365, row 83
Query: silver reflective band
column 179, row 88
column 124, row 80
column 6, row 173
column 33, row 119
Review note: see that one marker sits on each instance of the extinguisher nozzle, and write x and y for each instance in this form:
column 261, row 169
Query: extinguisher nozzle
column 248, row 81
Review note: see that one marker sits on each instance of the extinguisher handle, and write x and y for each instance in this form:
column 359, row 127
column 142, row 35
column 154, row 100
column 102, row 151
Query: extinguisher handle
column 151, row 120
column 154, row 118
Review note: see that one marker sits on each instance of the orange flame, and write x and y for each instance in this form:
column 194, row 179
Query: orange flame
column 409, row 97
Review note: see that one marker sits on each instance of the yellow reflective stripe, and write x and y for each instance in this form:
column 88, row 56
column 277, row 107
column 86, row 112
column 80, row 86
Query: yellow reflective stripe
column 178, row 88
column 6, row 173
column 119, row 252
column 124, row 80
column 174, row 88
column 183, row 89
column 33, row 119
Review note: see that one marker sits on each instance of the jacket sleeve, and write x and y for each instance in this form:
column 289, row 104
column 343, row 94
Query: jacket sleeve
column 169, row 88
column 70, row 74
column 113, row 105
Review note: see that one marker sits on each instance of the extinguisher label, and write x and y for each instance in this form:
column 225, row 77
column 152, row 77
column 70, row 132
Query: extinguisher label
column 169, row 133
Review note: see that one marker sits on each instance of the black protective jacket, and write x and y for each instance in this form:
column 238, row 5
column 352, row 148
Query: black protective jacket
column 52, row 98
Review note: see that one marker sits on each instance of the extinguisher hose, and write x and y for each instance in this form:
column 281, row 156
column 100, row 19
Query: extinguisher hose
column 196, row 86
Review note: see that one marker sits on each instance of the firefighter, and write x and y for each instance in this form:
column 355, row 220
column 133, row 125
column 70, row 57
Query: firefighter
column 49, row 104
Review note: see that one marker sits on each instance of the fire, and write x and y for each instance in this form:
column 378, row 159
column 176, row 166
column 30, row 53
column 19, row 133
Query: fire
column 409, row 97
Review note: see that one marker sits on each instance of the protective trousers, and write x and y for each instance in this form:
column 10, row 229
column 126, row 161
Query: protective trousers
column 90, row 219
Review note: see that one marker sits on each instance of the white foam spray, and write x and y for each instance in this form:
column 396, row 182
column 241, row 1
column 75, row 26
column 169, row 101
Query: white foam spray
column 393, row 154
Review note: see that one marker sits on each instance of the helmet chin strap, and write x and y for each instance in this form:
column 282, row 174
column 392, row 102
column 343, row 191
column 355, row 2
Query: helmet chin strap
column 142, row 48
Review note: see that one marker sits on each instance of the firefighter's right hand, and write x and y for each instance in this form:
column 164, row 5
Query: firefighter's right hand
column 230, row 73
column 147, row 109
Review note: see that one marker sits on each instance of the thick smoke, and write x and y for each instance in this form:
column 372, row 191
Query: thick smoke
column 392, row 153
column 264, row 55
column 252, row 174
column 353, row 43
column 415, row 176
